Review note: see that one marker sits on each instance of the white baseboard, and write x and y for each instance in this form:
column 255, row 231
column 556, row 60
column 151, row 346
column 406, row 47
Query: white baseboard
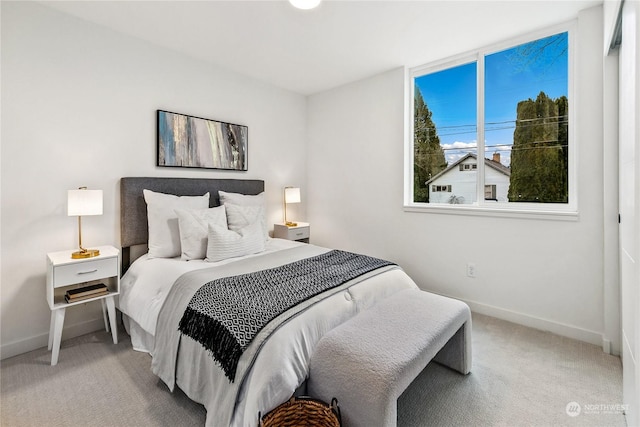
column 562, row 329
column 33, row 343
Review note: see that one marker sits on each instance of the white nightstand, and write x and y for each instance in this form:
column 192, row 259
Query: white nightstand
column 64, row 273
column 299, row 232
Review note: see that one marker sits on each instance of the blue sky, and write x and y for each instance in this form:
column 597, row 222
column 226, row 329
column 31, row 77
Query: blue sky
column 511, row 76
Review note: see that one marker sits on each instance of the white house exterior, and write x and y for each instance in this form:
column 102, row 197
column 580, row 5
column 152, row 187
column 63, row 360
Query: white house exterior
column 457, row 183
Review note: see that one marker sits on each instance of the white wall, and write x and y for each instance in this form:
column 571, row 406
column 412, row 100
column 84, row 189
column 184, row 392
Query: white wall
column 78, row 108
column 543, row 273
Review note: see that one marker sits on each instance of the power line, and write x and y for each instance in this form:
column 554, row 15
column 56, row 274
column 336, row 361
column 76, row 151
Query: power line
column 489, row 147
column 564, row 117
column 474, row 130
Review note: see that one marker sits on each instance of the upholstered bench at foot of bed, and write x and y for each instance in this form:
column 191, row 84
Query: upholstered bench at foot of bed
column 367, row 362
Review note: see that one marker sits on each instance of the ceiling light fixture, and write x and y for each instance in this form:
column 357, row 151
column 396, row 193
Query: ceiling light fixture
column 305, row 4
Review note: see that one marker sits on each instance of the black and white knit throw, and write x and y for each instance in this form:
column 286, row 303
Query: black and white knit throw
column 225, row 314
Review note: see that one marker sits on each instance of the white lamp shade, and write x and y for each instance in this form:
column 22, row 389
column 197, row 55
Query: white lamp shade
column 84, row 202
column 305, row 4
column 292, row 195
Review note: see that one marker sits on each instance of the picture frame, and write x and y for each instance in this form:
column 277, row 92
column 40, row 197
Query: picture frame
column 194, row 142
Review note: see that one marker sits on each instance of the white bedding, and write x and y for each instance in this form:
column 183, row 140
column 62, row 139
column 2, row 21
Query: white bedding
column 282, row 364
column 145, row 285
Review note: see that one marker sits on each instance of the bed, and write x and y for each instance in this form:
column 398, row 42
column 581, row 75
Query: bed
column 158, row 292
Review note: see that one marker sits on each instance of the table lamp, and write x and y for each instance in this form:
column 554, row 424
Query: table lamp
column 291, row 195
column 82, row 202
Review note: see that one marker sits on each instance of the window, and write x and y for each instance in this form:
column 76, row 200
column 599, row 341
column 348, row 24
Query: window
column 441, row 188
column 507, row 105
column 490, row 192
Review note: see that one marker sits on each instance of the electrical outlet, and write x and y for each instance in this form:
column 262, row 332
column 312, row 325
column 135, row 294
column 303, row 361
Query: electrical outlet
column 471, row 269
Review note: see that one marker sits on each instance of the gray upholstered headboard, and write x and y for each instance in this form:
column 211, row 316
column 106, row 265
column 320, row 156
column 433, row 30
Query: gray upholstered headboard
column 133, row 209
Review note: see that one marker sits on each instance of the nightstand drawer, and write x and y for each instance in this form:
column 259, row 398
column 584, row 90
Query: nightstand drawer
column 79, row 272
column 292, row 233
column 298, row 233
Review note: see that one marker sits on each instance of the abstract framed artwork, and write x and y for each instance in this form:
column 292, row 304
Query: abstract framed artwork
column 194, row 142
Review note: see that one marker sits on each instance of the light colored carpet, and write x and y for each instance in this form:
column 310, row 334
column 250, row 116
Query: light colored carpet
column 520, row 377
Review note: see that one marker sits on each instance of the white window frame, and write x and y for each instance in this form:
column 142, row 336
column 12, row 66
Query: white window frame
column 560, row 211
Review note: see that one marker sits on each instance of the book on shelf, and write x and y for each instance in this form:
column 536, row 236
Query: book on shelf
column 70, row 299
column 86, row 290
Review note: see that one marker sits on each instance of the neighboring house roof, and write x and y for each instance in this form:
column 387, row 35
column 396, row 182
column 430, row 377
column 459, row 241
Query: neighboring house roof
column 487, row 162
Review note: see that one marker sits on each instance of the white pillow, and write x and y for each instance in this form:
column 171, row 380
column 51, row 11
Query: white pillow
column 164, row 233
column 241, row 199
column 240, row 216
column 225, row 243
column 194, row 229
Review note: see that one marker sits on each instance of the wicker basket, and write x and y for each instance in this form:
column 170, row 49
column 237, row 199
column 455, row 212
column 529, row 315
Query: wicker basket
column 303, row 411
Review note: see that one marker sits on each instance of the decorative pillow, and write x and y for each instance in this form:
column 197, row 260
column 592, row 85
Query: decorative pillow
column 194, row 229
column 241, row 199
column 164, row 233
column 240, row 216
column 225, row 243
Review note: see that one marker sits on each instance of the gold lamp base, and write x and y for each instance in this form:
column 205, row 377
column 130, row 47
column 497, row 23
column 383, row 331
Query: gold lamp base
column 85, row 253
column 291, row 224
